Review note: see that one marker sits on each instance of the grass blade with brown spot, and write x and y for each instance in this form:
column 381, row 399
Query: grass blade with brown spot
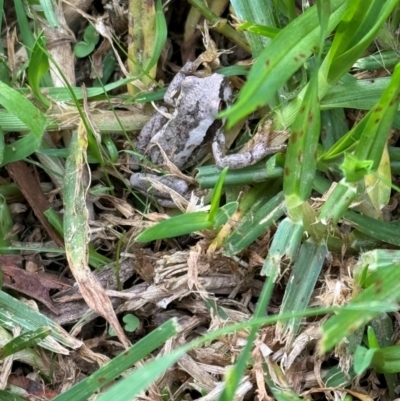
column 301, row 157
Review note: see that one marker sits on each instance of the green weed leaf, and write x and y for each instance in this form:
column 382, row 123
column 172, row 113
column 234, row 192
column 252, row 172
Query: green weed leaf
column 89, row 42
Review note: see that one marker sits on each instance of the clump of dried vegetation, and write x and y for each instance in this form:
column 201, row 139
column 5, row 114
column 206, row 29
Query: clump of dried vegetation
column 285, row 288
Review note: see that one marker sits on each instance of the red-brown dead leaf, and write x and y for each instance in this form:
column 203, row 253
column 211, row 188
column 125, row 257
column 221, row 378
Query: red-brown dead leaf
column 34, row 285
column 32, row 387
column 30, row 188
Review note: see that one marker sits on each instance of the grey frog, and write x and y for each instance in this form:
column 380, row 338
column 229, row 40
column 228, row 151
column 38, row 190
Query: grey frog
column 186, row 136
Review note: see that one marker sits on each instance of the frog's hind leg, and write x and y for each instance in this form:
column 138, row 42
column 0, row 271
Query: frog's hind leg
column 151, row 128
column 258, row 151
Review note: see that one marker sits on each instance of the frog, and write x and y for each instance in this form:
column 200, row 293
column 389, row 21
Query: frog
column 190, row 132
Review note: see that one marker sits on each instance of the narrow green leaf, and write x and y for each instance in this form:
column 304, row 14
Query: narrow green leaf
column 48, row 11
column 26, row 340
column 369, row 136
column 129, row 387
column 24, row 26
column 301, row 284
column 109, row 372
column 268, row 31
column 324, row 12
column 372, row 340
column 382, row 59
column 358, row 94
column 301, row 155
column 7, row 396
column 363, row 358
column 236, row 372
column 337, row 203
column 359, row 26
column 37, row 68
column 224, row 213
column 341, row 325
column 24, row 110
column 216, row 196
column 6, row 225
column 15, row 313
column 161, row 36
column 254, row 224
column 381, row 230
column 258, row 12
column 285, row 245
column 375, row 133
column 391, row 360
column 175, row 226
column 286, row 53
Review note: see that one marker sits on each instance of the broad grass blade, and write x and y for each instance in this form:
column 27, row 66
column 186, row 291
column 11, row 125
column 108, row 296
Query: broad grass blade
column 301, row 284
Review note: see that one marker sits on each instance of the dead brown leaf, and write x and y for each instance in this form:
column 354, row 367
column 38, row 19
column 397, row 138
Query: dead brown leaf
column 30, row 187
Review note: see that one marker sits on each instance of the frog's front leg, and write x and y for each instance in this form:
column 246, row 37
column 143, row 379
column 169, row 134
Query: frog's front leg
column 240, row 160
column 175, row 86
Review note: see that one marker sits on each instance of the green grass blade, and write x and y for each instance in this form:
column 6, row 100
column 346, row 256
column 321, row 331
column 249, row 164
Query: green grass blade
column 176, row 226
column 117, row 366
column 286, row 53
column 216, row 195
column 7, row 396
column 4, row 70
column 191, row 222
column 369, row 148
column 28, row 356
column 224, row 213
column 359, row 26
column 384, row 59
column 38, row 67
column 255, row 223
column 391, row 360
column 24, row 110
column 301, row 155
column 301, row 284
column 6, row 225
column 27, row 36
column 258, row 12
column 385, row 289
column 207, row 176
column 369, row 136
column 161, row 36
column 48, row 11
column 235, row 374
column 358, row 94
column 263, row 30
column 131, row 386
column 381, row 230
column 285, row 244
column 26, row 340
column 15, row 313
column 337, row 203
column 365, row 358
